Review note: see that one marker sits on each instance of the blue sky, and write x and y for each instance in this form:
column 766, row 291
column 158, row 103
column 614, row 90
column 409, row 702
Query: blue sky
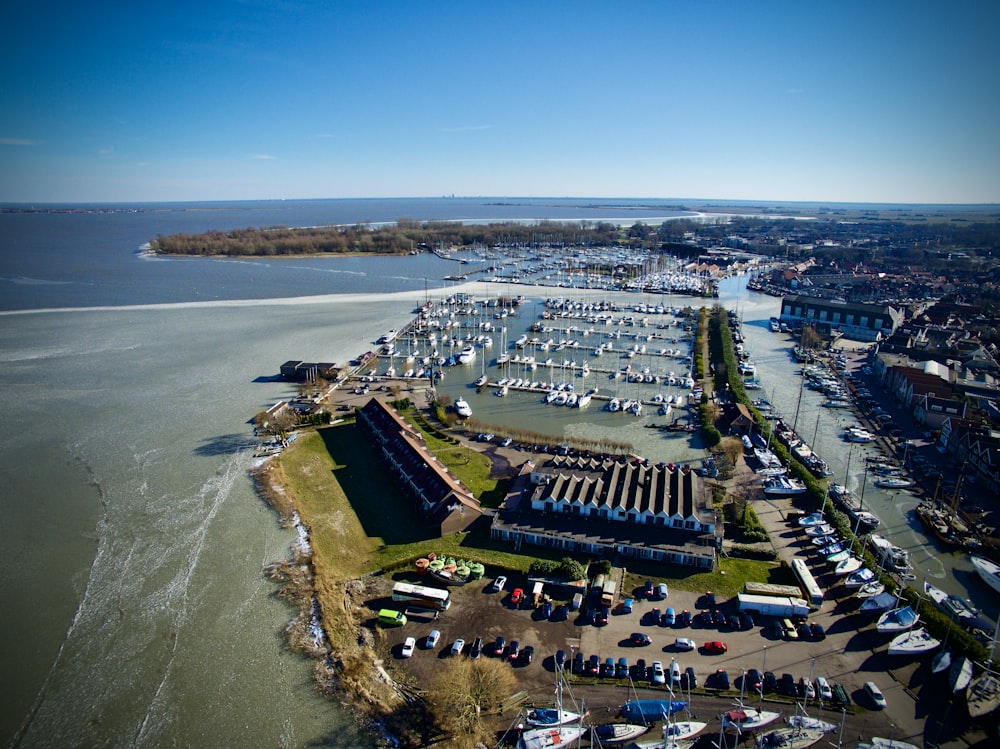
column 843, row 101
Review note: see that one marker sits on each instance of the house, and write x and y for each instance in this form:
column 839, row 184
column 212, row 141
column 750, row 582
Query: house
column 611, row 507
column 440, row 497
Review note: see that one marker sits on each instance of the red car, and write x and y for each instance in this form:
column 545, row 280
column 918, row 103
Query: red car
column 716, row 647
column 517, row 596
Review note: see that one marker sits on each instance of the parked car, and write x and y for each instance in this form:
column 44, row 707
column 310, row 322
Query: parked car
column 804, row 632
column 648, row 589
column 705, row 618
column 516, row 597
column 498, row 646
column 684, row 619
column 789, row 629
column 641, row 670
column 753, row 680
column 627, row 605
column 684, row 643
column 746, row 620
column 688, row 678
column 408, row 645
column 668, row 618
column 770, row 684
column 718, row 680
column 477, row 648
column 875, row 695
column 734, row 622
column 579, row 664
column 498, row 584
column 458, row 646
column 658, row 675
column 432, row 639
column 546, row 609
column 601, row 617
column 806, row 689
column 621, row 669
column 786, row 685
column 561, row 613
column 661, row 591
column 608, row 667
column 823, row 688
column 594, row 665
column 716, row 646
column 527, row 655
column 718, row 618
column 653, row 616
column 777, row 631
column 638, row 639
column 514, row 650
column 560, row 659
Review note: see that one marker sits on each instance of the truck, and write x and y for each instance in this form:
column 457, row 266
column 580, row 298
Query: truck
column 779, row 606
column 536, row 593
column 608, row 592
column 597, row 588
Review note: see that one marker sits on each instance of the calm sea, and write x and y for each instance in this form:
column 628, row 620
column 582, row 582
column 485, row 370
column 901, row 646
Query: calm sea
column 135, row 612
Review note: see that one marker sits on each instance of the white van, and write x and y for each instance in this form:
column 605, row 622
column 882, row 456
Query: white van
column 823, row 690
column 875, row 695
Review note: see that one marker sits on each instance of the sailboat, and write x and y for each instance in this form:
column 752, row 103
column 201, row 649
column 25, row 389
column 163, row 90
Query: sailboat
column 552, row 727
column 898, row 619
column 913, row 642
column 743, row 718
column 609, row 734
column 960, row 675
column 789, row 738
column 984, row 693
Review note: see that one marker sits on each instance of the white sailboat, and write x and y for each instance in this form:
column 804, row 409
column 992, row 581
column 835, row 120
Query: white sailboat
column 989, row 571
column 789, row 738
column 960, row 675
column 913, row 642
column 743, row 718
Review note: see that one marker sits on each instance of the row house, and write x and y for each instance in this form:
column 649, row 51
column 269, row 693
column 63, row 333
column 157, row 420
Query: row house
column 977, row 448
column 860, row 322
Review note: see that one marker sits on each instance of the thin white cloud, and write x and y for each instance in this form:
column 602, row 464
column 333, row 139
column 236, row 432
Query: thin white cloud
column 107, row 151
column 464, row 128
column 19, row 142
column 795, row 91
column 263, row 156
column 325, row 135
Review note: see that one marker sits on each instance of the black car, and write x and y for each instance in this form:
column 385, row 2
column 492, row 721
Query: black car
column 734, row 622
column 648, row 589
column 705, row 618
column 718, row 618
column 601, row 617
column 787, row 685
column 684, row 619
column 498, row 647
column 753, row 681
column 578, row 663
column 638, row 639
column 770, row 684
column 640, row 669
column 621, row 668
column 477, row 648
column 560, row 659
column 817, row 631
column 804, row 632
column 746, row 620
column 527, row 655
column 594, row 665
column 608, row 667
column 777, row 631
column 561, row 613
column 514, row 650
column 689, row 678
column 718, row 680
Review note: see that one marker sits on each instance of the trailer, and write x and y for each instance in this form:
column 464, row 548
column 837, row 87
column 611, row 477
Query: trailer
column 779, row 606
column 577, row 602
column 608, row 592
column 772, row 589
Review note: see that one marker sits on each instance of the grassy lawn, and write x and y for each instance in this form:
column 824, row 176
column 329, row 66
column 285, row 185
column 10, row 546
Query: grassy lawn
column 726, row 581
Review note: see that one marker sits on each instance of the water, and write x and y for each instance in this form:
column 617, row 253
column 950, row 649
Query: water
column 130, row 566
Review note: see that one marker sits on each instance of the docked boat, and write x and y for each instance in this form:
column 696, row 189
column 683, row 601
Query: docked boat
column 958, row 609
column 551, row 738
column 683, row 730
column 814, row 519
column 983, row 696
column 782, row 486
column 859, row 577
column 847, row 566
column 877, row 742
column 892, row 482
column 811, row 724
column 650, row 711
column 789, row 738
column 988, row 570
column 877, row 604
column 743, row 719
column 870, row 589
column 844, row 499
column 898, row 619
column 888, row 555
column 547, row 717
column 820, row 530
column 914, row 642
column 467, row 355
column 462, row 408
column 609, row 734
column 960, row 675
column 614, row 405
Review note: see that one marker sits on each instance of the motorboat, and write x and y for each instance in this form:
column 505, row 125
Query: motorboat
column 898, row 619
column 824, row 529
column 913, row 642
column 892, row 482
column 462, row 408
column 782, row 486
column 614, row 405
column 609, row 734
column 988, row 570
column 888, row 555
column 744, row 718
column 957, row 608
column 960, row 675
column 467, row 354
